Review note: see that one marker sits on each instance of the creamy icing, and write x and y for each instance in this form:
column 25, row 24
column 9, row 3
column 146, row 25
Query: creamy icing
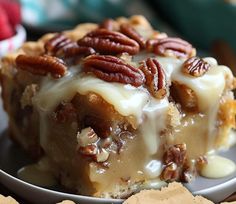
column 126, row 99
column 217, row 167
column 155, row 112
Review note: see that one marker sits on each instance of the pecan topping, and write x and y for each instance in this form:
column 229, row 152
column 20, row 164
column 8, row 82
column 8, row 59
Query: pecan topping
column 176, row 154
column 86, row 136
column 195, row 66
column 88, row 145
column 170, row 172
column 113, row 69
column 155, row 77
column 176, row 164
column 109, row 42
column 42, row 65
column 107, row 24
column 61, row 46
column 133, row 34
column 171, row 47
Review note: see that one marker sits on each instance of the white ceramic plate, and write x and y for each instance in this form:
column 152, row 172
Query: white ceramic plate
column 12, row 158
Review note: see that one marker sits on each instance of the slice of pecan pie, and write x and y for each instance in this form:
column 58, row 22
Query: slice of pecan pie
column 117, row 107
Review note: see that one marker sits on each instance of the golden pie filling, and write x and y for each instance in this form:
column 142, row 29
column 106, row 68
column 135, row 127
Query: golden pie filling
column 118, row 107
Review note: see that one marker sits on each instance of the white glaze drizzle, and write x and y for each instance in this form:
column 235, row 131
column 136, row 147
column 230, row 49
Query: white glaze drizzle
column 217, row 167
column 150, row 113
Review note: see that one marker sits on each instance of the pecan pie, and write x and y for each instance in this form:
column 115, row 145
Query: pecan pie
column 117, row 107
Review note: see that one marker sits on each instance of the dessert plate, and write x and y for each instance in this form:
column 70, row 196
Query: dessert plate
column 12, row 158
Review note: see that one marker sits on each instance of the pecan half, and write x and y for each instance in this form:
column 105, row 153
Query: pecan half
column 176, row 154
column 195, row 66
column 61, row 46
column 107, row 24
column 155, row 77
column 171, row 47
column 109, row 42
column 42, row 65
column 113, row 69
column 133, row 34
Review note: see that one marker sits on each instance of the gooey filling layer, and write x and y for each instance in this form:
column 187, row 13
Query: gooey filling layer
column 142, row 158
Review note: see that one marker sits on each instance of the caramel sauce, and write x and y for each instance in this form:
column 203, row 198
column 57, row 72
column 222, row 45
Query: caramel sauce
column 141, row 158
column 37, row 174
column 192, row 131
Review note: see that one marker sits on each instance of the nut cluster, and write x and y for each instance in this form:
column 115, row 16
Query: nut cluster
column 88, row 145
column 176, row 164
column 94, row 50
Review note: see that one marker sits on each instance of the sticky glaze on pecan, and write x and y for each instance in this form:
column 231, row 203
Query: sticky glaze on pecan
column 61, row 46
column 109, row 42
column 113, row 69
column 155, row 77
column 133, row 34
column 170, row 172
column 171, row 47
column 175, row 153
column 42, row 65
column 195, row 66
column 177, row 167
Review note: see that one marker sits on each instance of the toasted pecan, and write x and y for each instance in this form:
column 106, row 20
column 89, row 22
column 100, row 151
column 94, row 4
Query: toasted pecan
column 113, row 69
column 109, row 42
column 42, row 65
column 133, row 34
column 61, row 46
column 155, row 77
column 171, row 47
column 195, row 66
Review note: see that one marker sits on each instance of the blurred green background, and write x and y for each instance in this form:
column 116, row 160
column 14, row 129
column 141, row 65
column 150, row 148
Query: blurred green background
column 200, row 21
